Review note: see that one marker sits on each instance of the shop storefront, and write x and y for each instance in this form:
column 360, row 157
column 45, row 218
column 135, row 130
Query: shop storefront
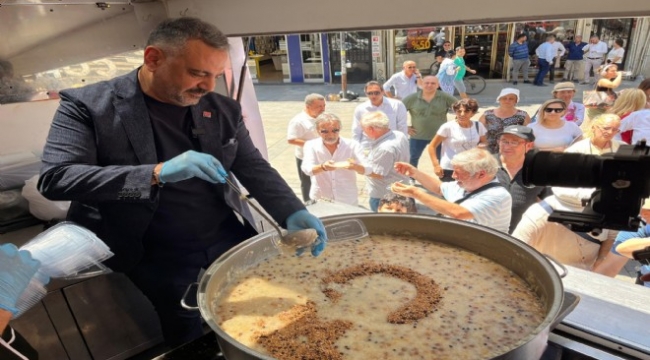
column 316, row 57
column 487, row 45
column 312, row 58
column 290, row 58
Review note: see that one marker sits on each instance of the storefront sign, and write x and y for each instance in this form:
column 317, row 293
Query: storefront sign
column 376, row 47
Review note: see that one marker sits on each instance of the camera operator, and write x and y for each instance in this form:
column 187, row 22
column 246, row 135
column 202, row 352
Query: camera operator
column 578, row 249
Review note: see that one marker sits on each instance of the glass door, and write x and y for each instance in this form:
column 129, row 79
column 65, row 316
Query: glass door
column 312, row 61
column 358, row 53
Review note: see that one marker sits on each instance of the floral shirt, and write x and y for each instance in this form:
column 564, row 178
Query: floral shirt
column 495, row 125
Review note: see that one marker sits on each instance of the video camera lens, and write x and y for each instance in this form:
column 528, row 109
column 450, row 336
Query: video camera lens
column 542, row 168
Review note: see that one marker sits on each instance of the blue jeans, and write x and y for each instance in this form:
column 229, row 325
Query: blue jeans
column 416, row 147
column 374, row 204
column 544, row 66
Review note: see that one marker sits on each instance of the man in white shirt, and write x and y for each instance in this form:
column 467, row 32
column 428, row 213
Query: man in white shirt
column 302, row 128
column 475, row 196
column 545, row 55
column 405, row 82
column 594, row 55
column 394, row 110
column 386, row 148
column 559, row 49
column 333, row 163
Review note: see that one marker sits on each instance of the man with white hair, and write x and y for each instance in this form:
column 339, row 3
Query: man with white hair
column 333, row 163
column 405, row 82
column 475, row 196
column 386, row 148
column 394, row 110
column 301, row 129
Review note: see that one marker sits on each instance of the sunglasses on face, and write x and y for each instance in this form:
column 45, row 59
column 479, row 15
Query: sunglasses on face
column 556, row 110
column 335, row 131
column 373, row 93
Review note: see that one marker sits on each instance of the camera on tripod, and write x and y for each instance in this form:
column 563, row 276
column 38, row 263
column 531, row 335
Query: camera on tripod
column 621, row 179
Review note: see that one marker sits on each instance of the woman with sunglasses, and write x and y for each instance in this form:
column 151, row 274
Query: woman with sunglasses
column 456, row 136
column 552, row 133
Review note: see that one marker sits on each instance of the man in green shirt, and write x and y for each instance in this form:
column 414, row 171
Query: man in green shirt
column 428, row 109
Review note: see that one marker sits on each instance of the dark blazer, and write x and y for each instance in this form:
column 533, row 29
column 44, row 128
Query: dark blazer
column 100, row 153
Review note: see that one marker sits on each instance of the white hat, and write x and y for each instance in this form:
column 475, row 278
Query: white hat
column 508, row 91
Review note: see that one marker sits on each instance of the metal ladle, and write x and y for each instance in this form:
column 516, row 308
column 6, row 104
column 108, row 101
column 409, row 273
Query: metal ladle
column 296, row 239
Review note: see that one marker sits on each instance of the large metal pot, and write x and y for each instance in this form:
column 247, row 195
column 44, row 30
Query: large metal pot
column 523, row 260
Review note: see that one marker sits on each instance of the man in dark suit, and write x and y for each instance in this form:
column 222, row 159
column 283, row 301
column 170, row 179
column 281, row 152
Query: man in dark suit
column 144, row 156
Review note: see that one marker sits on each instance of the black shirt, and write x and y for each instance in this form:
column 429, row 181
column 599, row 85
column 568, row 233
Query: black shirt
column 522, row 196
column 192, row 214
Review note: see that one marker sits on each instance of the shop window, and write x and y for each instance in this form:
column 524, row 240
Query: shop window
column 611, row 29
column 418, row 45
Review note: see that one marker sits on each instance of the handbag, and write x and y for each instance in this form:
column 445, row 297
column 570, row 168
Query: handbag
column 598, row 99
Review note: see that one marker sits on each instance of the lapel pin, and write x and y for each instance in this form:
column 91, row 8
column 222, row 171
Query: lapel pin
column 207, row 114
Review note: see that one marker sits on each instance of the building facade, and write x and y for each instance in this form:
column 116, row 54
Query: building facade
column 377, row 54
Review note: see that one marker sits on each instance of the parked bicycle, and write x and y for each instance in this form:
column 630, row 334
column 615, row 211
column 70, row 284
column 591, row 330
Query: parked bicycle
column 474, row 84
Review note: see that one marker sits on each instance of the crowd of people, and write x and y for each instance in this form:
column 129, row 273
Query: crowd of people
column 477, row 157
column 154, row 191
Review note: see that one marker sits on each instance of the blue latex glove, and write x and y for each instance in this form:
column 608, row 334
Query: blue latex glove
column 303, row 219
column 16, row 270
column 193, row 164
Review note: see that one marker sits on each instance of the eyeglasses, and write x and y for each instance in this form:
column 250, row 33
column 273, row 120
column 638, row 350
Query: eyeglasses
column 335, row 131
column 556, row 110
column 373, row 93
column 609, row 129
column 510, row 143
column 411, row 67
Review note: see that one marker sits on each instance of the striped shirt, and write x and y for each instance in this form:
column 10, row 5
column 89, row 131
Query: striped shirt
column 491, row 207
column 518, row 51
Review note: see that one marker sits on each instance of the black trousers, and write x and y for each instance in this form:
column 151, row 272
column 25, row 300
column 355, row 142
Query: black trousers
column 305, row 181
column 551, row 72
column 163, row 275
